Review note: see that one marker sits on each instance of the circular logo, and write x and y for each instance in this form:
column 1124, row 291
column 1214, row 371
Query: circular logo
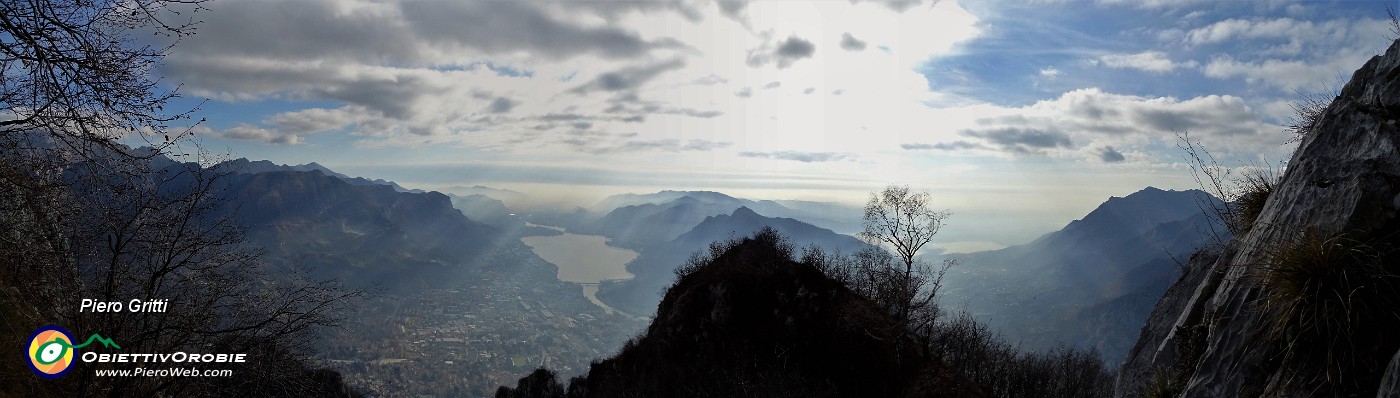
column 51, row 351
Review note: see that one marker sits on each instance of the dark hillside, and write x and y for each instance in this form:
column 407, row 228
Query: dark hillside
column 753, row 322
column 653, row 267
column 361, row 234
column 1104, row 271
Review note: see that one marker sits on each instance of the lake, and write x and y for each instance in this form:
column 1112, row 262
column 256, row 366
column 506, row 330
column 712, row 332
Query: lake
column 583, row 259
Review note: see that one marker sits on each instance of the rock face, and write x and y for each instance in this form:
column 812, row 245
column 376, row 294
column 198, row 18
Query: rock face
column 1344, row 178
column 1390, row 383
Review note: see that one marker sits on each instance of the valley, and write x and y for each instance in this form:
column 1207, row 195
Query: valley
column 583, row 259
column 699, row 198
column 469, row 337
column 524, row 295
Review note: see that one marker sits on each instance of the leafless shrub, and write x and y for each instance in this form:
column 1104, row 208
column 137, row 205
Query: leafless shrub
column 1242, row 191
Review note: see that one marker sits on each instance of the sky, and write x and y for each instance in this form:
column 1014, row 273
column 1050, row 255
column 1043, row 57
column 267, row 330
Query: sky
column 1017, row 116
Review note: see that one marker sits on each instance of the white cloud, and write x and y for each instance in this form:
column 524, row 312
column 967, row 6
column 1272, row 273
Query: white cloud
column 1050, row 72
column 1288, row 75
column 1080, row 124
column 1153, row 4
column 1232, row 29
column 316, row 120
column 1330, row 31
column 1149, row 61
column 1285, row 53
column 804, row 157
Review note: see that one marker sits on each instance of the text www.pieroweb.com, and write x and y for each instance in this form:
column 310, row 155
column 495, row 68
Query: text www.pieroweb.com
column 164, row 372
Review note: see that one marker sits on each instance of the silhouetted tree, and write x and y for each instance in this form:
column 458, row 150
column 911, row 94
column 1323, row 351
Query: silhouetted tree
column 904, row 221
column 71, row 70
column 84, row 216
column 539, row 384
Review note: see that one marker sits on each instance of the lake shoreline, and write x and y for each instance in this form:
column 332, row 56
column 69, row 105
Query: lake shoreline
column 583, row 259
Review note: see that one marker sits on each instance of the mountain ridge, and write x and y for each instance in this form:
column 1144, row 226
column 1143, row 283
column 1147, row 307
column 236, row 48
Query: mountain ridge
column 753, row 322
column 1125, row 246
column 654, row 265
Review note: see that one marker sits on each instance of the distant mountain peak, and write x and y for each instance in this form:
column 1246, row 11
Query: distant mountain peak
column 1154, row 199
column 745, row 211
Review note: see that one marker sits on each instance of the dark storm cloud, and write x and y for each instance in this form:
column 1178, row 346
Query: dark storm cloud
column 784, row 54
column 505, row 26
column 896, row 5
column 1104, row 118
column 794, row 48
column 733, row 9
column 315, row 120
column 393, row 96
column 614, row 10
column 252, row 133
column 299, row 30
column 639, row 108
column 319, row 50
column 851, row 43
column 1020, row 140
column 403, row 32
column 562, row 117
column 502, row 105
column 1110, row 155
column 628, row 78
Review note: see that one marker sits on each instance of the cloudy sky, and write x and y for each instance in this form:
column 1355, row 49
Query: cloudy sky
column 1018, row 116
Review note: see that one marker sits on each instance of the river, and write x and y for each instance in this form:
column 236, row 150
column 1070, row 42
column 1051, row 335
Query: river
column 583, row 259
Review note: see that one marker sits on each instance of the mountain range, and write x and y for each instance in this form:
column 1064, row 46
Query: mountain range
column 653, row 268
column 640, row 220
column 1101, row 274
column 360, row 234
column 245, row 166
column 1091, row 284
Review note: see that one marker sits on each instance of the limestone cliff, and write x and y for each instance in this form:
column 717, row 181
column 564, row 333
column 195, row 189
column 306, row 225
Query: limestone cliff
column 1343, row 179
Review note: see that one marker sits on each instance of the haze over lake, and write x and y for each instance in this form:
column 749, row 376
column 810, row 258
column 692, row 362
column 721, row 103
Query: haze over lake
column 583, row 259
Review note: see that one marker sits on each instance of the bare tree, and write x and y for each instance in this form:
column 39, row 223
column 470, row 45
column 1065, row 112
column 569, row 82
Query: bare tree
column 905, row 221
column 1394, row 23
column 84, row 216
column 72, row 70
column 1236, row 195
